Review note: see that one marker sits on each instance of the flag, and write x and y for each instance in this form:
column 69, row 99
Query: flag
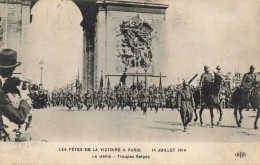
column 123, row 78
column 160, row 84
column 101, row 82
column 108, row 82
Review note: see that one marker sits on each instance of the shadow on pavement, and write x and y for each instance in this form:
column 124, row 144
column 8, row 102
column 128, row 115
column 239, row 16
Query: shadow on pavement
column 167, row 129
column 254, row 116
column 168, row 123
column 247, row 134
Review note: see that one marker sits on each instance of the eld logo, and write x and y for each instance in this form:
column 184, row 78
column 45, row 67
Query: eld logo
column 240, row 154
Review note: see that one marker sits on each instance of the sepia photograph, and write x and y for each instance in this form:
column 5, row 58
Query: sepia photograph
column 129, row 81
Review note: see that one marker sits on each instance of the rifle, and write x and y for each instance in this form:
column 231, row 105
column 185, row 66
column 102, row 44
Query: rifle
column 192, row 78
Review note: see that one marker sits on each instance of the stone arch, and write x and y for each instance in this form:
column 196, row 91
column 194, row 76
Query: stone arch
column 52, row 16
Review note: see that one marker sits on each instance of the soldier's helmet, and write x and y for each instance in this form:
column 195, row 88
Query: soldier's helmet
column 252, row 67
column 184, row 83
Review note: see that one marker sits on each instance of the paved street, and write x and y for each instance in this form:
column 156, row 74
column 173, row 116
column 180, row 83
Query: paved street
column 58, row 124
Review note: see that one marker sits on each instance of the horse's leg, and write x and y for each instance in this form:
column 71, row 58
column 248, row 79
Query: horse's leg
column 201, row 110
column 212, row 117
column 241, row 116
column 256, row 119
column 235, row 114
column 220, row 115
column 196, row 115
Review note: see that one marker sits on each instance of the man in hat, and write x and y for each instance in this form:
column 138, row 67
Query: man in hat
column 247, row 84
column 185, row 104
column 221, row 79
column 8, row 63
column 219, row 72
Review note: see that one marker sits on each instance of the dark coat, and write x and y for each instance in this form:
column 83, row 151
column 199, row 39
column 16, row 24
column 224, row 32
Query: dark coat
column 15, row 115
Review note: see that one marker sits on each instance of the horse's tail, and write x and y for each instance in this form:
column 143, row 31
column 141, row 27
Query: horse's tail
column 255, row 97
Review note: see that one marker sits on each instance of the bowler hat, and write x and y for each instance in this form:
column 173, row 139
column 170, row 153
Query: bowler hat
column 218, row 67
column 8, row 59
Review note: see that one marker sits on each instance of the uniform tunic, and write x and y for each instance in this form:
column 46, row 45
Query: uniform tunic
column 186, row 100
column 206, row 81
column 246, row 85
column 247, row 80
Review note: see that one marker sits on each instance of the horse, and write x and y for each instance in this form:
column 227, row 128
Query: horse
column 239, row 103
column 211, row 99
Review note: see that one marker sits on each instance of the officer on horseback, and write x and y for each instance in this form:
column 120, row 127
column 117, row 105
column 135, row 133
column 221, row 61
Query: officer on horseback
column 247, row 84
column 205, row 82
column 249, row 78
column 219, row 72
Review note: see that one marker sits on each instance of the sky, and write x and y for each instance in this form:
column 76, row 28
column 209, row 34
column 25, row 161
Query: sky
column 209, row 32
column 56, row 37
column 199, row 33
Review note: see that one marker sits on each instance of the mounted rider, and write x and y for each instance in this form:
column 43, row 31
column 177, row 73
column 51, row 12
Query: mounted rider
column 206, row 81
column 219, row 79
column 247, row 84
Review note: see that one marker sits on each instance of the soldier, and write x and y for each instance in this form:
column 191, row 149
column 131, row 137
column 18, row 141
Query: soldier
column 162, row 99
column 156, row 99
column 171, row 98
column 79, row 100
column 95, row 99
column 219, row 78
column 151, row 96
column 134, row 99
column 145, row 99
column 206, row 81
column 186, row 104
column 247, row 85
column 119, row 98
column 53, row 98
column 103, row 99
column 111, row 100
column 218, row 68
column 69, row 102
column 45, row 98
column 88, row 99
